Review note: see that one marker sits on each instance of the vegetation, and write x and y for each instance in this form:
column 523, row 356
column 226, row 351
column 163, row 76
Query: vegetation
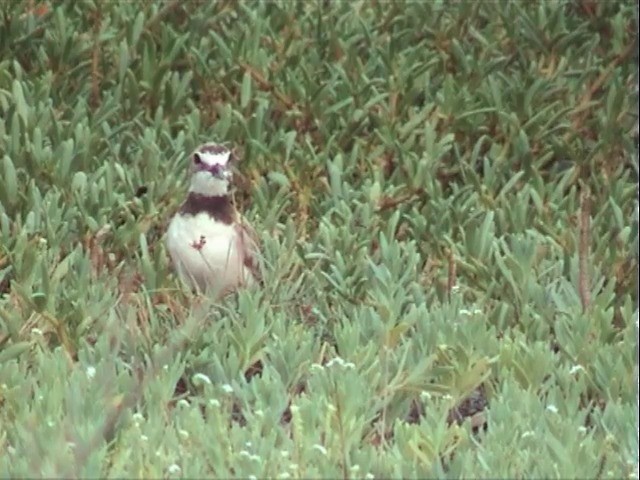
column 446, row 195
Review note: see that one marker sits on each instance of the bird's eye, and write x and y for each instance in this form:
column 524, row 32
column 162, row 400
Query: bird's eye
column 196, row 159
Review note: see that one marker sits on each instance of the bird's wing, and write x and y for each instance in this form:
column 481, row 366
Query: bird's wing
column 249, row 246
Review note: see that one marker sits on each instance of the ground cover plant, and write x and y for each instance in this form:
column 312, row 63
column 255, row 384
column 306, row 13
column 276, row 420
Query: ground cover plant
column 446, row 198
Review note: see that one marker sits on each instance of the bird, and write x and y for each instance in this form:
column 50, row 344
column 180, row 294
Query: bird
column 213, row 249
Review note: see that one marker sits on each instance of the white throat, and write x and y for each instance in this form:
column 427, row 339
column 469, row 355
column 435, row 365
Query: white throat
column 203, row 183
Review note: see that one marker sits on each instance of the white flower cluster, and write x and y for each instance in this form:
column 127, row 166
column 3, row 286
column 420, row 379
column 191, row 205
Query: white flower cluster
column 339, row 361
column 250, row 456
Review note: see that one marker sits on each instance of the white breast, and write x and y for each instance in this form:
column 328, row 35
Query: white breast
column 207, row 254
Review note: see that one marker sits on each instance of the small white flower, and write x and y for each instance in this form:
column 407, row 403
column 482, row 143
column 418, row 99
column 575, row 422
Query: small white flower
column 455, row 289
column 335, row 360
column 183, row 403
column 43, row 241
column 369, row 476
column 246, row 454
column 293, row 466
column 201, row 377
column 51, row 423
column 183, row 433
column 214, row 402
column 424, row 395
column 582, row 429
column 227, row 388
column 71, row 445
column 252, row 477
column 446, row 396
column 528, row 433
column 137, row 417
column 259, row 413
column 575, row 368
column 320, row 448
column 36, row 331
column 248, row 444
column 340, row 362
column 285, row 475
column 91, row 372
column 165, row 368
column 284, row 453
column 294, row 409
column 174, row 469
column 465, row 312
column 144, row 438
column 477, row 311
column 11, row 450
column 552, row 408
column 355, row 468
column 332, row 407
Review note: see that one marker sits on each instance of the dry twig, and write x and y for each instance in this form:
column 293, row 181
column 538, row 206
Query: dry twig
column 451, row 278
column 583, row 249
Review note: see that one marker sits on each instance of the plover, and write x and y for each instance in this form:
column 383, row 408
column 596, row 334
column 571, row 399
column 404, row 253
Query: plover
column 211, row 247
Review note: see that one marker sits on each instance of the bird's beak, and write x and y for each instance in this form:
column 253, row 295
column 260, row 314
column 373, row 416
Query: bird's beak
column 222, row 173
column 219, row 171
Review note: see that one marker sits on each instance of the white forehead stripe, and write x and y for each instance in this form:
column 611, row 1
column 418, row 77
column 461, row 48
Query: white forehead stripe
column 221, row 158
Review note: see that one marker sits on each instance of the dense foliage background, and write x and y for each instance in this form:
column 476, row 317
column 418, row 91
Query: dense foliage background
column 446, row 194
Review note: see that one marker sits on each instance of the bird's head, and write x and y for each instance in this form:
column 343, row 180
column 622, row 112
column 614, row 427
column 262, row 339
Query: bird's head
column 211, row 172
